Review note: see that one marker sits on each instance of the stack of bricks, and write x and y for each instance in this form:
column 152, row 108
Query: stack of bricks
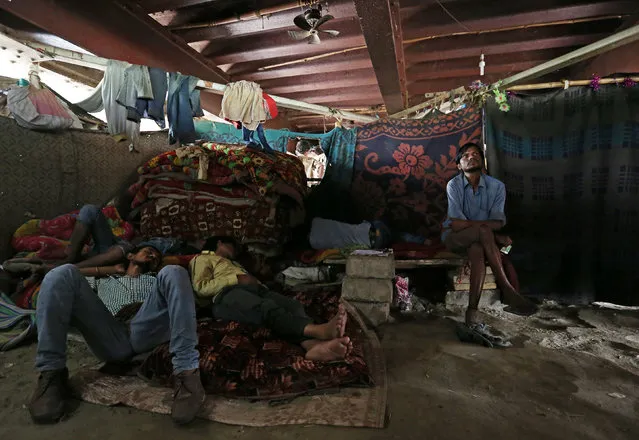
column 459, row 281
column 368, row 284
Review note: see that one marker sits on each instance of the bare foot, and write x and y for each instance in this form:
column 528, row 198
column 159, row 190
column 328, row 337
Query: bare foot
column 329, row 351
column 332, row 329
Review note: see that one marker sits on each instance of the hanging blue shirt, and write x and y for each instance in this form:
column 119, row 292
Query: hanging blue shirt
column 466, row 204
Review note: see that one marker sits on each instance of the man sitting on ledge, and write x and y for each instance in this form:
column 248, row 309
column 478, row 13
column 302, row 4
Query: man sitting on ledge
column 167, row 313
column 237, row 296
column 475, row 214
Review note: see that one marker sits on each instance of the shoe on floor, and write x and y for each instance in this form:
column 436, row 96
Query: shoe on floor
column 48, row 403
column 188, row 397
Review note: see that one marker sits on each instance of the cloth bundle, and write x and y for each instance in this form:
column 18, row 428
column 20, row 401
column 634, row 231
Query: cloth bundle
column 39, row 109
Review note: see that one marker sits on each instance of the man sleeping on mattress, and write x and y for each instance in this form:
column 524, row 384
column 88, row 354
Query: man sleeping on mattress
column 235, row 295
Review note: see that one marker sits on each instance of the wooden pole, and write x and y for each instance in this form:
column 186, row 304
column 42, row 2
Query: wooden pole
column 566, row 84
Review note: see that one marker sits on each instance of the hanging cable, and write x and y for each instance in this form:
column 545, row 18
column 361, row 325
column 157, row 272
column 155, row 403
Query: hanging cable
column 452, row 16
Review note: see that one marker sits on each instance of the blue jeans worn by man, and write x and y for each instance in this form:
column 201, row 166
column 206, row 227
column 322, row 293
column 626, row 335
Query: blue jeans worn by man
column 167, row 314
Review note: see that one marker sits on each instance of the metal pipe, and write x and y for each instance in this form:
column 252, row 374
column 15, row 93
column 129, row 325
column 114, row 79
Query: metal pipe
column 616, row 40
column 299, row 105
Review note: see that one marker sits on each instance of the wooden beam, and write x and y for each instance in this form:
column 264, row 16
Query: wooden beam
column 449, row 51
column 381, row 25
column 116, row 30
column 431, row 20
column 616, row 40
column 258, row 22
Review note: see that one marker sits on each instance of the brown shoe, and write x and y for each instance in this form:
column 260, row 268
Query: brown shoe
column 188, row 397
column 48, row 403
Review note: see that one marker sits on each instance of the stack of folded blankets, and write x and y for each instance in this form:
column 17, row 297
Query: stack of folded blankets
column 211, row 189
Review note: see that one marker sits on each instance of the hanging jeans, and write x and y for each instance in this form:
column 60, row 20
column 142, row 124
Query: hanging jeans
column 251, row 142
column 152, row 108
column 183, row 103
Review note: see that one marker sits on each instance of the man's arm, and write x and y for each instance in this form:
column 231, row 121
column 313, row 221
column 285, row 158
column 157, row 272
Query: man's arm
column 496, row 218
column 115, row 254
column 103, row 271
column 459, row 225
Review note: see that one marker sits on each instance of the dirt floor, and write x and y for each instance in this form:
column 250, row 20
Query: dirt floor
column 556, row 383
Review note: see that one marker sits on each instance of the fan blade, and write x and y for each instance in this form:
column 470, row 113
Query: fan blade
column 299, row 35
column 323, row 20
column 314, row 39
column 333, row 33
column 300, row 22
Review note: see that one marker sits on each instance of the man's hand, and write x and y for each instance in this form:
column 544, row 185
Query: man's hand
column 247, row 279
column 120, row 269
column 503, row 240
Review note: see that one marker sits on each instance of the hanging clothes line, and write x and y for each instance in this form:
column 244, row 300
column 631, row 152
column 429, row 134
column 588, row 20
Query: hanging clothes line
column 73, row 57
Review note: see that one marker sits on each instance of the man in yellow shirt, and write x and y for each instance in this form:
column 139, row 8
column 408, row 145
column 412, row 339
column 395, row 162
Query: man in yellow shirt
column 235, row 295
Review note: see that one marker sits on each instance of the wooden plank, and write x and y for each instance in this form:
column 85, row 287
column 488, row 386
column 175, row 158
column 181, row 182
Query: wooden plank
column 409, row 264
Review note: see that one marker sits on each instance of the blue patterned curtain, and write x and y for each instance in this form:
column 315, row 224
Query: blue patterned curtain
column 570, row 162
column 402, row 168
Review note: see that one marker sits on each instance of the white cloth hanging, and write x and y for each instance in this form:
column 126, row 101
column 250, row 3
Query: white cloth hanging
column 243, row 101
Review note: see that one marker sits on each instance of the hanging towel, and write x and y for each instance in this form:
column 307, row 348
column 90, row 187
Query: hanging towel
column 243, row 101
column 270, row 105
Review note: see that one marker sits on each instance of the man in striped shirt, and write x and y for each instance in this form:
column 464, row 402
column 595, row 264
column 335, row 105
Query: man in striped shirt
column 167, row 313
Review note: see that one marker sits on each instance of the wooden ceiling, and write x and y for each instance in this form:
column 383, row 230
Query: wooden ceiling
column 388, row 54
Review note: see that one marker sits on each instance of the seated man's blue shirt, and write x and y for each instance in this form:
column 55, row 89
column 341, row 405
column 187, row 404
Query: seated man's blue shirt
column 466, row 204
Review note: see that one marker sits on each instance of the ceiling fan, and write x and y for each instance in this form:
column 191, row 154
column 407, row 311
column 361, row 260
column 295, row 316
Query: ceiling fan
column 310, row 22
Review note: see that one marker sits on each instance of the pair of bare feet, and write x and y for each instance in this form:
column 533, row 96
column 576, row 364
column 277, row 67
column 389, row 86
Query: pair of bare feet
column 328, row 342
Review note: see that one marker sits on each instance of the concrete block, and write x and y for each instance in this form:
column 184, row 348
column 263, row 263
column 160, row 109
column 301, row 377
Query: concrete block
column 373, row 313
column 371, row 264
column 489, row 298
column 367, row 289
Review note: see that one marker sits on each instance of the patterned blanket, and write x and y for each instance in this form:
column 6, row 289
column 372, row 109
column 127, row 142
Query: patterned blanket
column 250, row 221
column 238, row 360
column 48, row 239
column 227, row 165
